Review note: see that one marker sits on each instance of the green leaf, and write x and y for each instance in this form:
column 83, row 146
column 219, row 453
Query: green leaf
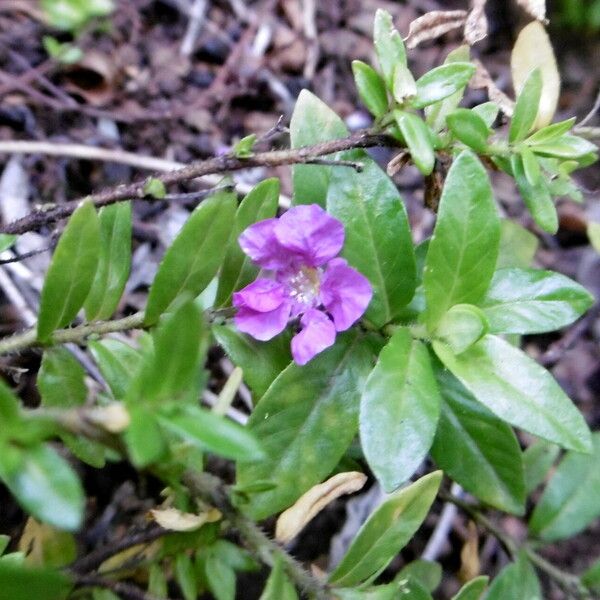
column 517, row 580
column 305, row 422
column 567, row 147
column 208, row 431
column 593, row 233
column 114, row 261
column 551, row 132
column 517, row 245
column 278, row 585
column 399, row 410
column 538, row 460
column 46, row 487
column 237, row 270
column 488, row 111
column 220, row 577
column 571, row 500
column 145, row 440
column 155, row 188
column 371, row 88
column 537, row 198
column 404, row 87
column 473, row 590
column 518, row 390
column 157, row 581
column 526, row 107
column 20, row 582
column 244, row 148
column 477, row 450
column 591, row 577
column 387, row 531
column 531, row 166
column 378, row 241
column 461, row 327
column 118, row 363
column 313, row 122
column 436, row 113
column 71, row 271
column 388, row 45
column 173, row 367
column 533, row 301
column 61, row 379
column 427, row 573
column 468, row 127
column 261, row 361
column 418, row 139
column 441, row 82
column 186, row 577
column 464, row 247
column 195, row 256
column 6, row 241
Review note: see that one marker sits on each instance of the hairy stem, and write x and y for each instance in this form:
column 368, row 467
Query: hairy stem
column 211, row 489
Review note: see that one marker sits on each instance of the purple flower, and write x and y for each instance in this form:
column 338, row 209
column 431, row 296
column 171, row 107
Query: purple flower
column 302, row 278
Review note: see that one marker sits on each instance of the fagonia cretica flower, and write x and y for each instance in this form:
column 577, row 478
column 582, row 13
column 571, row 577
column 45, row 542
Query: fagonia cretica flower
column 301, row 278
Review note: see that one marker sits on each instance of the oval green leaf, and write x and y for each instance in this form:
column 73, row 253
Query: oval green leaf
column 418, row 138
column 464, row 247
column 473, row 590
column 114, row 261
column 387, row 531
column 570, row 501
column 399, row 410
column 517, row 580
column 477, row 450
column 370, row 87
column 305, row 422
column 71, row 271
column 518, row 390
column 441, row 82
column 388, row 45
column 526, row 107
column 529, row 301
column 195, row 256
column 468, row 127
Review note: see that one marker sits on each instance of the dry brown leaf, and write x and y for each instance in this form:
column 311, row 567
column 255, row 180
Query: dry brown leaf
column 113, row 417
column 434, row 24
column 483, row 80
column 476, row 25
column 295, row 518
column 469, row 555
column 94, row 78
column 536, row 8
column 533, row 50
column 177, row 520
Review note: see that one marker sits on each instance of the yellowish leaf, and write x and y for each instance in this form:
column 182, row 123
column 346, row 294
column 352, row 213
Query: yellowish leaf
column 469, row 555
column 593, row 233
column 536, row 8
column 295, row 518
column 45, row 546
column 533, row 50
column 113, row 417
column 177, row 520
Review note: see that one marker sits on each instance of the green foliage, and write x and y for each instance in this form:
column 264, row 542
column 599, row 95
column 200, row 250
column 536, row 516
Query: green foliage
column 73, row 15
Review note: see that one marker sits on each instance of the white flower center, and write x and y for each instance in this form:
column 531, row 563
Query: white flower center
column 304, row 285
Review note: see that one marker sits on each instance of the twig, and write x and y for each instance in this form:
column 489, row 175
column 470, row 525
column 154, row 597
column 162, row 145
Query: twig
column 221, row 164
column 28, row 338
column 211, row 489
column 444, row 525
column 20, row 257
column 592, row 112
column 122, row 589
column 196, row 14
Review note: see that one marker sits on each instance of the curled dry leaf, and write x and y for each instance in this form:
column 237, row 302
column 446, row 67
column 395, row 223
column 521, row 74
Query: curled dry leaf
column 434, row 24
column 483, row 80
column 536, row 8
column 177, row 520
column 476, row 25
column 398, row 163
column 94, row 78
column 533, row 50
column 295, row 518
column 469, row 555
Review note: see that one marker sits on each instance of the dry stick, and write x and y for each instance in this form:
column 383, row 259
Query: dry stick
column 222, row 164
column 210, row 489
column 122, row 589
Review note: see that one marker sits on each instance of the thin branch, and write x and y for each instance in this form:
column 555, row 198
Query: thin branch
column 592, row 112
column 221, row 164
column 122, row 589
column 28, row 339
column 212, row 490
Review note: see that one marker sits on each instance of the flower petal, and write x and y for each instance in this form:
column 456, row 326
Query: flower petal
column 262, row 325
column 310, row 232
column 317, row 333
column 258, row 241
column 262, row 295
column 345, row 293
